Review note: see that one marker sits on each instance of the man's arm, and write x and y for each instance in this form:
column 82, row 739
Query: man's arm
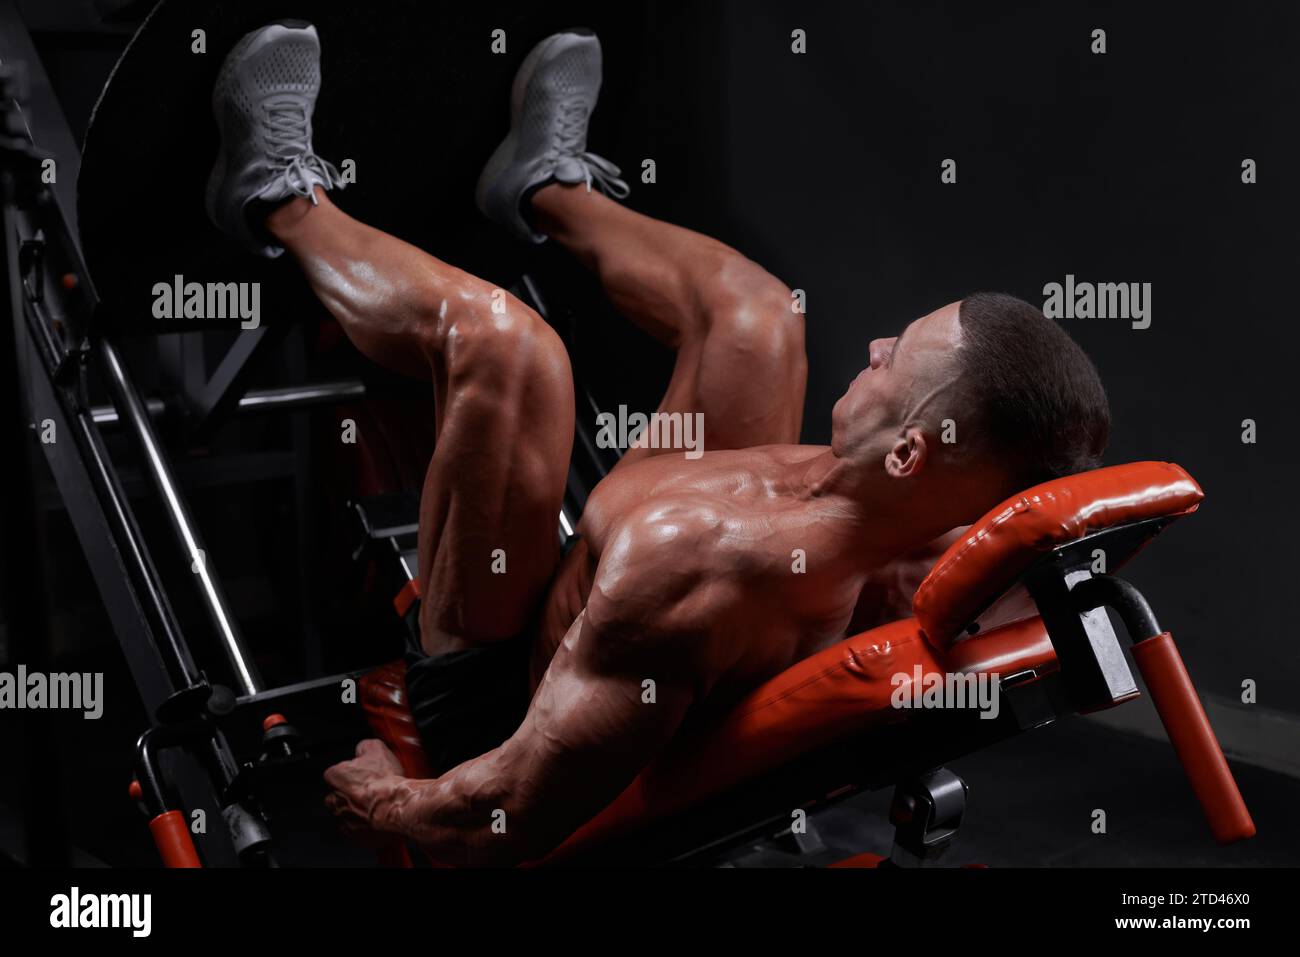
column 592, row 726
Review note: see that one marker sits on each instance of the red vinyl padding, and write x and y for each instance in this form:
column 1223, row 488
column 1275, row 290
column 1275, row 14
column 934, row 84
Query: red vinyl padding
column 985, row 562
column 383, row 699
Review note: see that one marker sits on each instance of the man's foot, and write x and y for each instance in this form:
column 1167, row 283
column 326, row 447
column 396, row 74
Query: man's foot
column 554, row 93
column 263, row 101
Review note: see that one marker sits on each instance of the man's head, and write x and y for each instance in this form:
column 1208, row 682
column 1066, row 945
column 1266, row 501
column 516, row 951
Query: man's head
column 1018, row 400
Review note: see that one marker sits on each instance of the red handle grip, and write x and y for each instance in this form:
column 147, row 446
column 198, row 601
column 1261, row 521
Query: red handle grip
column 1193, row 739
column 173, row 840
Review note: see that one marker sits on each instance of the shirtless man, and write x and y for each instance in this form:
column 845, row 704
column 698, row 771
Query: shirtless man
column 528, row 685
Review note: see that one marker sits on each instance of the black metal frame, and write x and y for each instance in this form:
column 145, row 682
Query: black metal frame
column 23, row 589
column 52, row 304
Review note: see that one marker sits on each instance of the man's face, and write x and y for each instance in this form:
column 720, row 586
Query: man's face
column 906, row 374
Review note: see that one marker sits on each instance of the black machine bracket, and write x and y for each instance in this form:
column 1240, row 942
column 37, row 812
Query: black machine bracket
column 926, row 813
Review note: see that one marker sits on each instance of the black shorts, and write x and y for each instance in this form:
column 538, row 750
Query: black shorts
column 465, row 703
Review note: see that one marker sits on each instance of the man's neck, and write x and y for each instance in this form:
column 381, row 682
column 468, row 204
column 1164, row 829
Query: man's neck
column 870, row 518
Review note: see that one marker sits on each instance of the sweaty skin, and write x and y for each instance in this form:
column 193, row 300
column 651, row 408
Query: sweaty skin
column 706, row 576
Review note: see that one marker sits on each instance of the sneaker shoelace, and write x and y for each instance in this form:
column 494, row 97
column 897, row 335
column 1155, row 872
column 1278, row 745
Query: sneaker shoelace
column 288, row 129
column 569, row 142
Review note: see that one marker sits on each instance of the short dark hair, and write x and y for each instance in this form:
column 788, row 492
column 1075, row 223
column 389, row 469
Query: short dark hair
column 1039, row 404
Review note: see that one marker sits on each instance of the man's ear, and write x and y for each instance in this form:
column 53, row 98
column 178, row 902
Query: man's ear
column 908, row 455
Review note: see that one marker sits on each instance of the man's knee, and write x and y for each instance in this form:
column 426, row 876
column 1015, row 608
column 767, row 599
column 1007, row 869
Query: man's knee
column 750, row 306
column 490, row 335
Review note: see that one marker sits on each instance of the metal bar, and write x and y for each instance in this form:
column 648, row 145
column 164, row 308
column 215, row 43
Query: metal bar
column 1093, row 664
column 258, row 400
column 128, row 582
column 214, row 398
column 22, row 587
column 106, row 415
column 132, row 409
column 1123, row 598
column 299, row 396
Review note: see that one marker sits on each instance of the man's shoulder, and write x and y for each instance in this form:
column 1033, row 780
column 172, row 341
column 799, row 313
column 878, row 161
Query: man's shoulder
column 682, row 535
column 664, row 569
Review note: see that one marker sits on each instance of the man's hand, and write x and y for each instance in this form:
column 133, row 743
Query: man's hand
column 358, row 786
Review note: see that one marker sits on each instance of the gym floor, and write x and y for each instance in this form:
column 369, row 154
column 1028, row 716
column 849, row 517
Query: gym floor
column 1016, row 814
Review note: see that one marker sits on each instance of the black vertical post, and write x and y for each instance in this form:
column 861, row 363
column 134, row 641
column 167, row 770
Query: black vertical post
column 22, row 589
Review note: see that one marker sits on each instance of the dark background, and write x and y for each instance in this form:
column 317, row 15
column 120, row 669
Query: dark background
column 1122, row 167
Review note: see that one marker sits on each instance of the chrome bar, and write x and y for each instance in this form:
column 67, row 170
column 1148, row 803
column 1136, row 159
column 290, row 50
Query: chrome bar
column 298, row 396
column 259, row 400
column 130, row 405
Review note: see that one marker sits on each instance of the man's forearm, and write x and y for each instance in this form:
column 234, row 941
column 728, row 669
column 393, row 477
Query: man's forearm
column 469, row 816
column 588, row 732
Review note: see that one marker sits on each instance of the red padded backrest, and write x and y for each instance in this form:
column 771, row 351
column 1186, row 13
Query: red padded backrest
column 985, row 562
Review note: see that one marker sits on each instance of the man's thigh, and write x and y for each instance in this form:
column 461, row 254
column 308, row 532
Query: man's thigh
column 489, row 511
column 744, row 377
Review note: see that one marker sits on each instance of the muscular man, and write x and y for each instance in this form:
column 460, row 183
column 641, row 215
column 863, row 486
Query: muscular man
column 528, row 685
